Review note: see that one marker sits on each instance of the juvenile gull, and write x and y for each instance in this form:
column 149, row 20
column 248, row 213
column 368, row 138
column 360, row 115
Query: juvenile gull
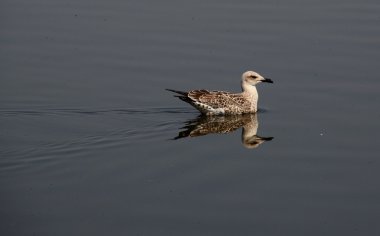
column 204, row 125
column 226, row 103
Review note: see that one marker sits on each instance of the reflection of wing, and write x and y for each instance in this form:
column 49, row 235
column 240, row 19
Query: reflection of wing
column 225, row 124
column 213, row 124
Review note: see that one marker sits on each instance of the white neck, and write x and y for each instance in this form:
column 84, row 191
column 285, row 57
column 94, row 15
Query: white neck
column 249, row 130
column 247, row 88
column 252, row 92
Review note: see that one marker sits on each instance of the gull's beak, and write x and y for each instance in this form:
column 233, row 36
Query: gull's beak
column 267, row 80
column 264, row 138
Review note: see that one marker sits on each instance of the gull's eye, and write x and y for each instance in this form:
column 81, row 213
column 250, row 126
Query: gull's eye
column 253, row 76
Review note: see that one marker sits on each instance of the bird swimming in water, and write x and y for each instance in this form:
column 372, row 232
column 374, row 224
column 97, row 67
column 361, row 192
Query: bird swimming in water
column 226, row 103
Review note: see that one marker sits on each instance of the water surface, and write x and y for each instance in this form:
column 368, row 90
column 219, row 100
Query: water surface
column 87, row 129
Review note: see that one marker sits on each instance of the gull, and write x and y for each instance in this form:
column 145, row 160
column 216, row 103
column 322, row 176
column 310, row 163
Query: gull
column 226, row 103
column 205, row 125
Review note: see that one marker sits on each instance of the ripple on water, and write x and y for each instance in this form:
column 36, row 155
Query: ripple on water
column 51, row 135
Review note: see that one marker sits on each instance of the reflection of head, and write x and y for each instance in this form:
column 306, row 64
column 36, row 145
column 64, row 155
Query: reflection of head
column 254, row 141
column 248, row 136
column 205, row 125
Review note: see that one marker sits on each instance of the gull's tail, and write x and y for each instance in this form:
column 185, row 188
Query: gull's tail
column 182, row 95
column 179, row 92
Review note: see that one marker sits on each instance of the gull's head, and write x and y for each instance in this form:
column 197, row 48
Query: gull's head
column 253, row 78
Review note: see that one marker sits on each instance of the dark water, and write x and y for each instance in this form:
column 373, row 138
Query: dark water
column 87, row 129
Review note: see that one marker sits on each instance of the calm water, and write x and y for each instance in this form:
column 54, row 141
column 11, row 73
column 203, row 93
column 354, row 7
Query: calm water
column 88, row 134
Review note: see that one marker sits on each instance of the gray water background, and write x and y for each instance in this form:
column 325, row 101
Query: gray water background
column 86, row 127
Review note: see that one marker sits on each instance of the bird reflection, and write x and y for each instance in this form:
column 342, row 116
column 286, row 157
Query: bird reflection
column 205, row 125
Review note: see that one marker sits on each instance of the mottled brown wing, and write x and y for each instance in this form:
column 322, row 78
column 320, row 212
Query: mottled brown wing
column 219, row 99
column 240, row 101
column 196, row 95
column 215, row 99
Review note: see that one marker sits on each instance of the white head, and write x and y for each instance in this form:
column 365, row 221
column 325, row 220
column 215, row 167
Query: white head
column 253, row 78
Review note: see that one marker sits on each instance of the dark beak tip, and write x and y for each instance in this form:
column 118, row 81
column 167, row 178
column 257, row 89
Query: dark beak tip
column 268, row 80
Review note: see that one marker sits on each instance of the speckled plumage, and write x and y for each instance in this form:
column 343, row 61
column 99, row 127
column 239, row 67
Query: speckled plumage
column 221, row 102
column 205, row 125
column 226, row 103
